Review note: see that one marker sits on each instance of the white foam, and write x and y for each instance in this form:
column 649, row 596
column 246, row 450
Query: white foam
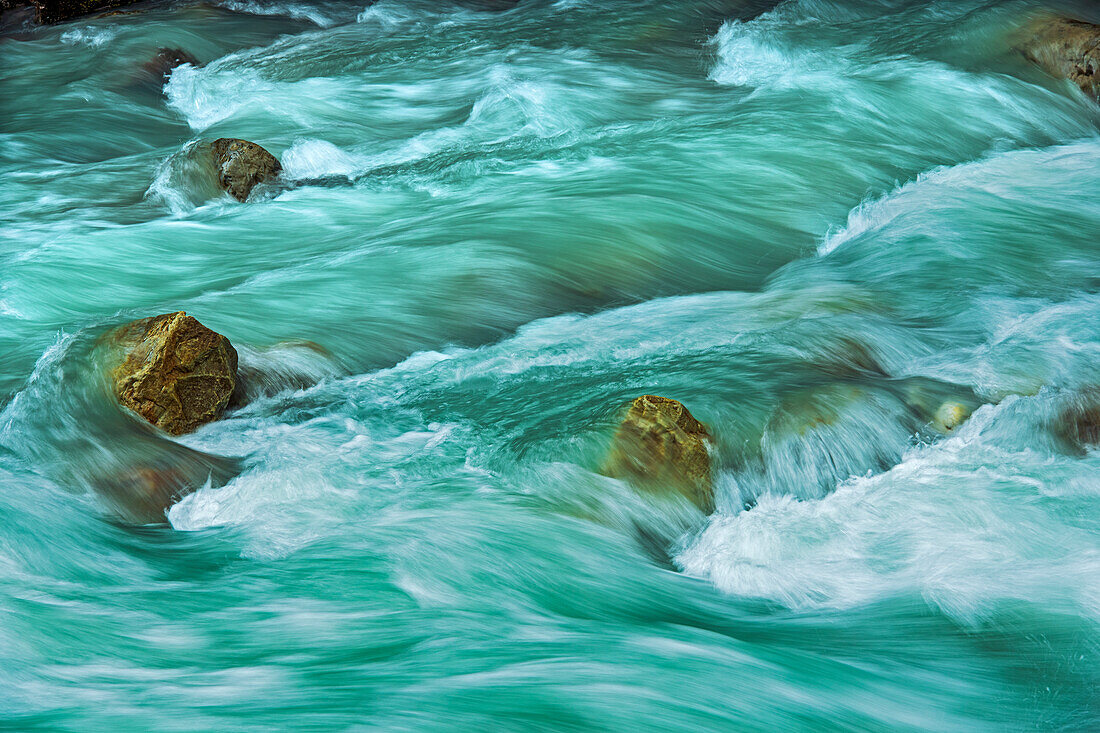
column 289, row 10
column 387, row 16
column 9, row 310
column 756, row 54
column 205, row 98
column 226, row 88
column 319, row 158
column 994, row 174
column 959, row 522
column 89, row 36
column 310, row 476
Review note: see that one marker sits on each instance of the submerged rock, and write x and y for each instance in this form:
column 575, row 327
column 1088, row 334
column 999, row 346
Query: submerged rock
column 142, row 491
column 1079, row 423
column 941, row 406
column 177, row 373
column 1066, row 48
column 847, row 358
column 242, row 165
column 661, row 446
column 161, row 65
column 949, row 416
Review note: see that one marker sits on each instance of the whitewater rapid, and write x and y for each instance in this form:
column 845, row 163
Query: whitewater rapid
column 811, row 222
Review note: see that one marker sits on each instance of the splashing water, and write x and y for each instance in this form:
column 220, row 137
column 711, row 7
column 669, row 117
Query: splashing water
column 814, row 223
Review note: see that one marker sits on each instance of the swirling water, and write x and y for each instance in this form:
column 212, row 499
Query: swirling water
column 501, row 223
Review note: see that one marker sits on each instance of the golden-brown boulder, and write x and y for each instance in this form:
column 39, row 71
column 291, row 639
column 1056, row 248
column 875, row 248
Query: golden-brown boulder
column 176, row 373
column 659, row 447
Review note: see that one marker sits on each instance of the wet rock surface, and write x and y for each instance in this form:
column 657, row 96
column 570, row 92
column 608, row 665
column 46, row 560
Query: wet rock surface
column 1078, row 424
column 177, row 374
column 1065, row 48
column 242, row 165
column 660, row 447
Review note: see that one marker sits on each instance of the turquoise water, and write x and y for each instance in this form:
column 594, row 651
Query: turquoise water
column 500, row 227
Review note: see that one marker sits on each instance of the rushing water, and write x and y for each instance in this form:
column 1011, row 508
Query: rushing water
column 500, row 225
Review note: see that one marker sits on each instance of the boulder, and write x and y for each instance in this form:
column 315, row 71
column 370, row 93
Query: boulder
column 941, row 406
column 166, row 59
column 1066, row 48
column 848, row 358
column 659, row 447
column 241, row 165
column 176, row 373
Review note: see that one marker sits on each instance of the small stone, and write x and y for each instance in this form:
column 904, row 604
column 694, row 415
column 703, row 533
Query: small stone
column 660, row 446
column 177, row 373
column 241, row 165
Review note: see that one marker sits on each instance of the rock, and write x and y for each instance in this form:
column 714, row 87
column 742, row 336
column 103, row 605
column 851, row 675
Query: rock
column 949, row 416
column 1079, row 423
column 1066, row 48
column 241, row 165
column 143, row 494
column 660, row 446
column 805, row 410
column 160, row 66
column 140, row 479
column 16, row 20
column 177, row 373
column 116, row 13
column 942, row 406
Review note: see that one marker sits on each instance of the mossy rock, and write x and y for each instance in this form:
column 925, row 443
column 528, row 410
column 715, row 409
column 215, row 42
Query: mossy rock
column 661, row 447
